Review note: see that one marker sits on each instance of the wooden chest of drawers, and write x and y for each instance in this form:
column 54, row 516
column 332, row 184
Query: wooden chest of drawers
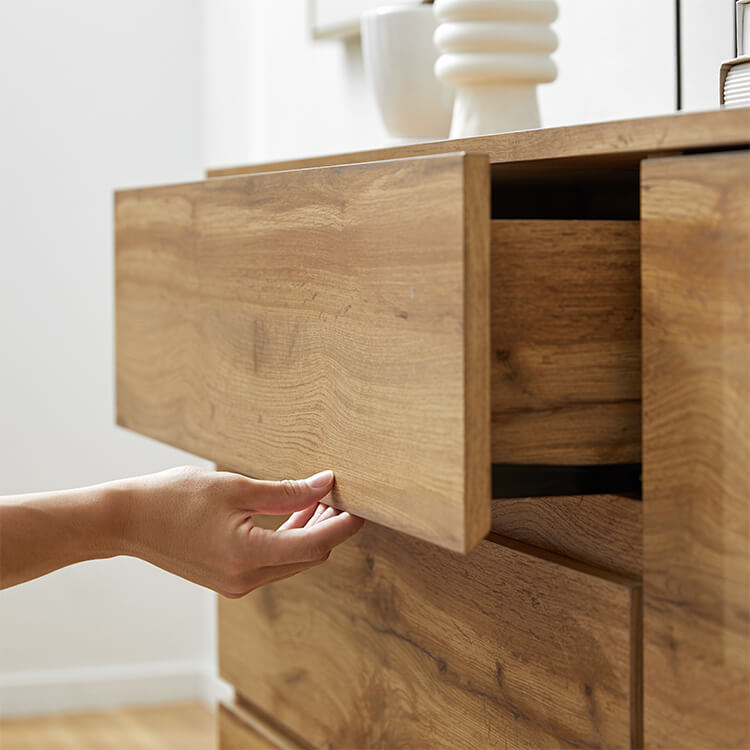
column 542, row 335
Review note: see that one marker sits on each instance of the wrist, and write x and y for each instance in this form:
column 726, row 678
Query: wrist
column 112, row 520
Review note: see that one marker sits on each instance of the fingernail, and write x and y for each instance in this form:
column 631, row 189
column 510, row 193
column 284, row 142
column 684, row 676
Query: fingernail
column 320, row 480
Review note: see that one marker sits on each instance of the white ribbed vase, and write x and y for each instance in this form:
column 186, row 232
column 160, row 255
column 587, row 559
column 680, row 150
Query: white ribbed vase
column 495, row 53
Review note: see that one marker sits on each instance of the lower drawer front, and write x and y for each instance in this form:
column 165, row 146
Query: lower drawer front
column 237, row 734
column 397, row 643
column 241, row 729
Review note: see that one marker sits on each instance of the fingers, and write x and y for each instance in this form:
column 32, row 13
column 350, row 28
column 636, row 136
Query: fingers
column 262, row 576
column 288, row 495
column 293, row 548
column 327, row 512
column 313, row 542
column 300, row 518
column 279, row 572
column 254, row 578
column 308, row 517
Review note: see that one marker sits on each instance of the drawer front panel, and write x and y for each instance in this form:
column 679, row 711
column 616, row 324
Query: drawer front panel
column 396, row 643
column 239, row 728
column 696, row 522
column 602, row 530
column 284, row 323
column 235, row 734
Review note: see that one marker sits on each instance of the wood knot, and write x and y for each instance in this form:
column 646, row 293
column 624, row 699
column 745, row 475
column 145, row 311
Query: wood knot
column 499, row 674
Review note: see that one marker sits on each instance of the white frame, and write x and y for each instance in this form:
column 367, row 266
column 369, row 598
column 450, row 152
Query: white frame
column 741, row 11
column 339, row 19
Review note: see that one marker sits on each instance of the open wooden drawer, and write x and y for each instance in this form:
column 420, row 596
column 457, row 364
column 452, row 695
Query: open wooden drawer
column 373, row 319
column 288, row 322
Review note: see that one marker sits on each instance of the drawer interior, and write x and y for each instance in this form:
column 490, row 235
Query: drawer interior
column 566, row 339
column 581, row 188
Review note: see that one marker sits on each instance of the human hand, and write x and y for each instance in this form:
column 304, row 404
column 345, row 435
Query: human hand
column 198, row 524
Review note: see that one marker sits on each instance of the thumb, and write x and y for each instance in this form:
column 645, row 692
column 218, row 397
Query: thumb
column 289, row 495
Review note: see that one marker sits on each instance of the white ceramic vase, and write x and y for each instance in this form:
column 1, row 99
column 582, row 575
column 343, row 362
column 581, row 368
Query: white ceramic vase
column 399, row 57
column 495, row 53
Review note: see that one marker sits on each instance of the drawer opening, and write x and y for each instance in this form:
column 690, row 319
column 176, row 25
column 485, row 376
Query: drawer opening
column 565, row 369
column 567, row 189
column 545, row 480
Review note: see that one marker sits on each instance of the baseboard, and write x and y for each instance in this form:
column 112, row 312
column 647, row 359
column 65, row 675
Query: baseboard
column 111, row 686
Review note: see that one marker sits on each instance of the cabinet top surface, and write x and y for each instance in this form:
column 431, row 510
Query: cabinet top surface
column 622, row 140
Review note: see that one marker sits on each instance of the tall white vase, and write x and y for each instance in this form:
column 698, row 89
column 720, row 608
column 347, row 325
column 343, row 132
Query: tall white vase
column 495, row 53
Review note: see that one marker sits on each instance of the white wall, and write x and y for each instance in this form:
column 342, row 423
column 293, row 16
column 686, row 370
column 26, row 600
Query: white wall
column 283, row 95
column 706, row 40
column 277, row 93
column 616, row 60
column 226, row 73
column 94, row 95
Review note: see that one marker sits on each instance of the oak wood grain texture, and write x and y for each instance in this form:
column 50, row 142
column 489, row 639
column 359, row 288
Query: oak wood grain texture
column 601, row 530
column 696, row 433
column 566, row 342
column 184, row 726
column 476, row 288
column 284, row 323
column 242, row 729
column 397, row 643
column 634, row 138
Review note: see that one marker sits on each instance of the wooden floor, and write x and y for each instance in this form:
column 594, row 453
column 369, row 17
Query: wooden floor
column 188, row 726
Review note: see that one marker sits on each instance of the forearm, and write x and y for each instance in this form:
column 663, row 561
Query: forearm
column 190, row 521
column 45, row 531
